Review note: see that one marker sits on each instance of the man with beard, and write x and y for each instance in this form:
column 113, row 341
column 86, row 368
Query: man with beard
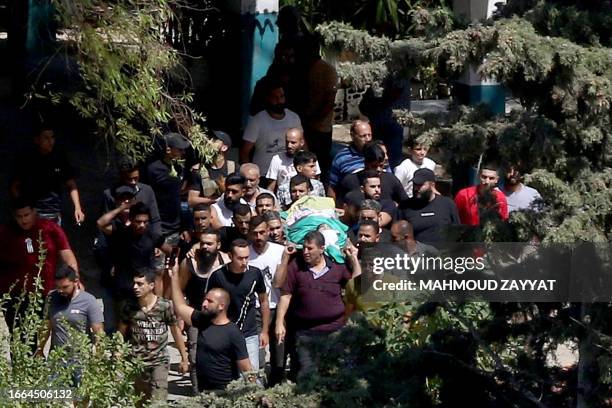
column 427, row 211
column 266, row 256
column 252, row 190
column 264, row 135
column 223, row 209
column 371, row 190
column 201, row 222
column 375, row 158
column 241, row 218
column 245, row 284
column 275, row 228
column 193, row 277
column 68, row 307
column 519, row 196
column 485, row 197
column 282, row 167
column 221, row 348
column 370, row 210
column 145, row 323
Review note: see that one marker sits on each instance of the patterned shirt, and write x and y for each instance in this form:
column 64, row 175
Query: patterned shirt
column 284, row 193
column 347, row 161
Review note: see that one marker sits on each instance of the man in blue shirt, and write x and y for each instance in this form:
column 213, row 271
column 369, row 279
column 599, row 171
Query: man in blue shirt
column 350, row 159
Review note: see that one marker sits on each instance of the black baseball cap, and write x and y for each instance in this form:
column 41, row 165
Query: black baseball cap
column 224, row 137
column 124, row 191
column 423, row 175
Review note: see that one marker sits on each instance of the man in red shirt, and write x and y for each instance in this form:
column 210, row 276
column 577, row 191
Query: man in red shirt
column 21, row 248
column 475, row 200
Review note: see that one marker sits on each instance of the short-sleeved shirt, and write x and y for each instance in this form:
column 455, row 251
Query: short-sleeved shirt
column 219, row 348
column 42, row 177
column 405, row 172
column 18, row 258
column 281, row 168
column 130, row 253
column 243, row 289
column 316, row 304
column 79, row 313
column 166, row 181
column 148, row 331
column 390, row 187
column 347, row 161
column 523, row 199
column 429, row 221
column 267, row 262
column 268, row 135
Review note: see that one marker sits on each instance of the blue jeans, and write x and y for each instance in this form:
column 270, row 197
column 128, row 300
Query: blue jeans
column 252, row 344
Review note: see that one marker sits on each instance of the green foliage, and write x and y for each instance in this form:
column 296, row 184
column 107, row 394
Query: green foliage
column 127, row 71
column 106, row 377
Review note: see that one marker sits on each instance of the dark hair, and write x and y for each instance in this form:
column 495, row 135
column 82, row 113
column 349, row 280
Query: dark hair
column 20, row 203
column 147, row 273
column 66, row 272
column 235, row 178
column 316, row 237
column 303, row 157
column 405, row 227
column 272, row 216
column 269, row 84
column 256, row 221
column 299, row 179
column 126, row 164
column 263, row 196
column 210, row 231
column 490, row 166
column 240, row 243
column 370, row 223
column 139, row 208
column 373, row 153
column 201, row 207
column 241, row 210
column 41, row 126
column 413, row 142
column 368, row 174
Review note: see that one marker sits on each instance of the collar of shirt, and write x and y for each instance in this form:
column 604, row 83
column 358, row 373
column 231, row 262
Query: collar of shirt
column 317, row 275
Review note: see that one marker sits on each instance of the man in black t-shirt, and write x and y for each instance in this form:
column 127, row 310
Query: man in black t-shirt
column 131, row 245
column 221, row 349
column 244, row 283
column 40, row 175
column 426, row 211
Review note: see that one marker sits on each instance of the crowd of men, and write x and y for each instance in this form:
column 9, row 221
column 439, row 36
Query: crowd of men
column 200, row 250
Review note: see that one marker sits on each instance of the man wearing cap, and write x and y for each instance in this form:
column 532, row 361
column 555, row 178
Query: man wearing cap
column 165, row 176
column 129, row 184
column 427, row 211
column 264, row 135
column 207, row 180
column 484, row 198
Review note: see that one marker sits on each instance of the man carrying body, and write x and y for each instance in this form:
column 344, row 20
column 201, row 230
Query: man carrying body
column 40, row 175
column 145, row 324
column 485, row 197
column 312, row 284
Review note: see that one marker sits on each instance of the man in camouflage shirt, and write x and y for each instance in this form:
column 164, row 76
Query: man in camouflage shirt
column 144, row 323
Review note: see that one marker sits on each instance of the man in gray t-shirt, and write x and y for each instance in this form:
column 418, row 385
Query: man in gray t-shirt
column 519, row 196
column 69, row 306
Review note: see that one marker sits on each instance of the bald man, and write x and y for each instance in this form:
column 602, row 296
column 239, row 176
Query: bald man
column 281, row 167
column 402, row 234
column 350, row 159
column 250, row 172
column 221, row 349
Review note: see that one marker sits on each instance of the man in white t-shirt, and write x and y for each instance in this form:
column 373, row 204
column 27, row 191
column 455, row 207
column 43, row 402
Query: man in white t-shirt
column 222, row 211
column 281, row 167
column 264, row 135
column 267, row 256
column 417, row 160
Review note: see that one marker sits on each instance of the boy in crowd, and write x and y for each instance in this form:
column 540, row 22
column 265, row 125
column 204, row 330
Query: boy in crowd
column 305, row 165
column 416, row 160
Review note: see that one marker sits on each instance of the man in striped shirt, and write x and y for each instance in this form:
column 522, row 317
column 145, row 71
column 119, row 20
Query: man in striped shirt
column 350, row 159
